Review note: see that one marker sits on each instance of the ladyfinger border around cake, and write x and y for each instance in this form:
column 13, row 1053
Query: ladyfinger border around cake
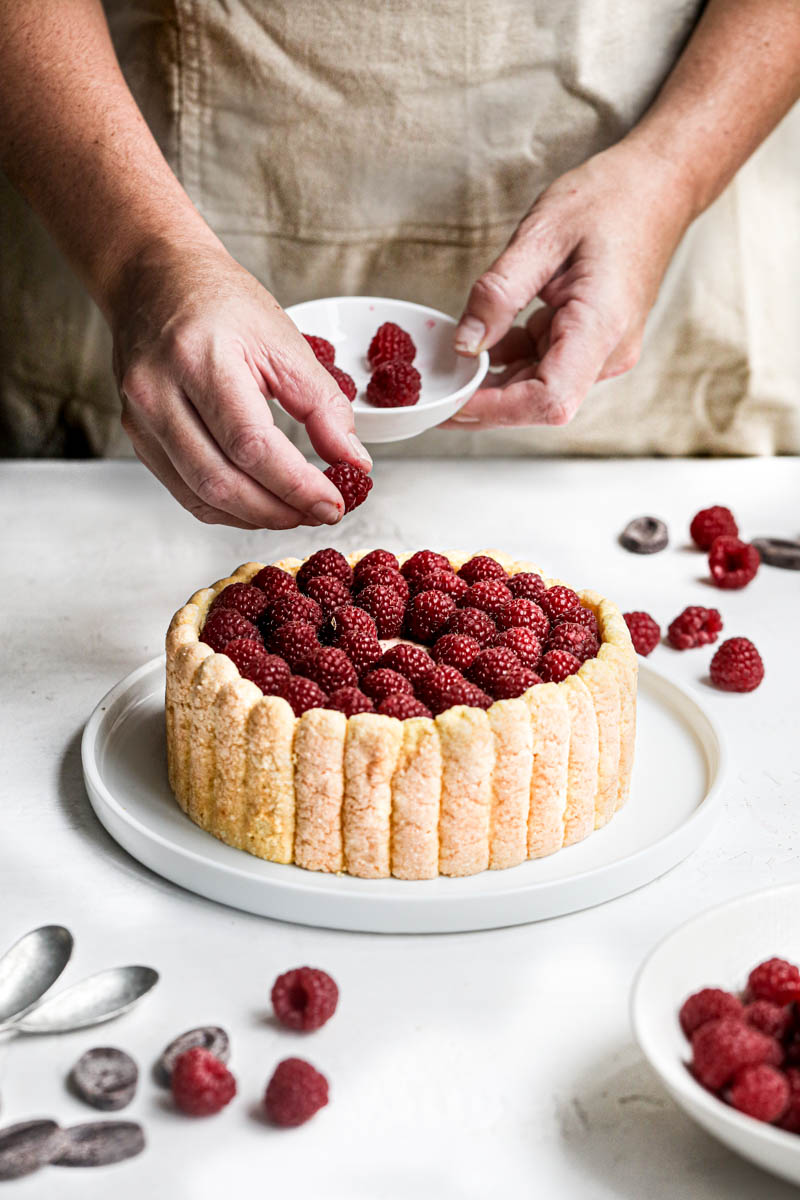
column 374, row 796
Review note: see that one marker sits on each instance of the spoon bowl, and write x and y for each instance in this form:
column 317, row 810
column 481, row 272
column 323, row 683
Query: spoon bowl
column 30, row 968
column 91, row 1001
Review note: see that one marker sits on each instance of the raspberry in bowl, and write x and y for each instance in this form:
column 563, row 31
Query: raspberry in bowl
column 369, row 335
column 406, row 716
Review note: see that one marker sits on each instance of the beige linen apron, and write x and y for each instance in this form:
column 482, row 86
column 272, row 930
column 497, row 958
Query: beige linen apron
column 390, row 147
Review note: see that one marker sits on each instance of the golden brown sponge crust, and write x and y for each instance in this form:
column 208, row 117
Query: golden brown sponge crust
column 373, row 796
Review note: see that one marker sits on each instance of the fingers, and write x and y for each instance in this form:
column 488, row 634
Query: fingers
column 531, row 258
column 310, row 394
column 235, row 411
column 170, row 437
column 548, row 392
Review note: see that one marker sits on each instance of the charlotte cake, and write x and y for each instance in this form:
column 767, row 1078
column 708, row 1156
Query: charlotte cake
column 477, row 782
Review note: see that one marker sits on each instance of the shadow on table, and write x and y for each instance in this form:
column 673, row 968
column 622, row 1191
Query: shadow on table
column 627, row 1132
column 80, row 815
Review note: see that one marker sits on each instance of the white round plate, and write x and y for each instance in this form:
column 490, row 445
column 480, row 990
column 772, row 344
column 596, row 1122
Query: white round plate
column 717, row 949
column 448, row 379
column 676, row 790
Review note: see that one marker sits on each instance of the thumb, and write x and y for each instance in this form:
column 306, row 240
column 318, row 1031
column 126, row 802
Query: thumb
column 510, row 283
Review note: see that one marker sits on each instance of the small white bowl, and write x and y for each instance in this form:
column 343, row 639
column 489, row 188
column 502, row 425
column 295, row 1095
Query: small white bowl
column 717, row 949
column 448, row 380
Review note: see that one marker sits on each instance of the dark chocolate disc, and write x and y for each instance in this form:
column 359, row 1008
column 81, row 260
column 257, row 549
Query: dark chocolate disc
column 644, row 535
column 106, row 1078
column 99, row 1143
column 27, row 1146
column 209, row 1037
column 779, row 552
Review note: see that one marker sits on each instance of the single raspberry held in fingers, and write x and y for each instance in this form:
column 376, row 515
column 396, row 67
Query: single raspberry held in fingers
column 386, row 577
column 733, row 564
column 427, row 614
column 349, row 700
column 390, row 344
column 294, row 641
column 376, row 558
column 423, row 562
column 560, row 602
column 328, row 592
column 645, row 632
column 773, row 1019
column 327, row 561
column 695, row 626
column 707, row 1005
column 410, row 661
column 362, row 648
column 737, row 666
column 348, row 619
column 489, row 667
column 722, row 1047
column 571, row 636
column 383, row 682
column 403, row 706
column 291, row 608
column 244, row 598
column 304, row 998
column 295, row 1093
column 760, row 1092
column 354, row 484
column 474, row 623
column 456, row 650
column 711, row 523
column 394, row 385
column 346, row 382
column 201, row 1084
column 523, row 642
column 776, row 980
column 225, row 624
column 556, row 665
column 442, row 581
column 385, row 607
column 303, row 694
column 324, row 351
column 514, row 683
column 330, row 668
column 482, row 567
column 274, row 583
column 522, row 613
column 527, row 584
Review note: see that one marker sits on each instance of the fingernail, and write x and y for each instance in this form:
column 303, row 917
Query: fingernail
column 327, row 513
column 466, row 420
column 359, row 450
column 469, row 335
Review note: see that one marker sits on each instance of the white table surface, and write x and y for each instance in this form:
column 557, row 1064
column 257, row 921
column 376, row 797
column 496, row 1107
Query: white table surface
column 462, row 1066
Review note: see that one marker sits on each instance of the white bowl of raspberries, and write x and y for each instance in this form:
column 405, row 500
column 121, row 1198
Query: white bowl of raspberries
column 393, row 359
column 716, row 1011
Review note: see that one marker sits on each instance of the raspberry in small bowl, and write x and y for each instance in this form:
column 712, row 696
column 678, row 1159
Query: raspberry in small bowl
column 370, row 335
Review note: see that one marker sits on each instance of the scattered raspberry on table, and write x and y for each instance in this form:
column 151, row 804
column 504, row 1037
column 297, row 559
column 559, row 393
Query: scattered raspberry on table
column 711, row 523
column 737, row 666
column 295, row 1093
column 695, row 626
column 732, row 563
column 304, row 999
column 645, row 632
column 201, row 1084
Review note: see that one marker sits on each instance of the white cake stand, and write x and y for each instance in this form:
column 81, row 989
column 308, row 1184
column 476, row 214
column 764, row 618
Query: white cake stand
column 675, row 797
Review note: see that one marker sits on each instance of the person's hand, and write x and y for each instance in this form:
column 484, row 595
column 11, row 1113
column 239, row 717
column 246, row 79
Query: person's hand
column 199, row 344
column 594, row 249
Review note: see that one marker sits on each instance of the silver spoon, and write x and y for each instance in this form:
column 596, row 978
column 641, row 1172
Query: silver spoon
column 89, row 1002
column 31, row 967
